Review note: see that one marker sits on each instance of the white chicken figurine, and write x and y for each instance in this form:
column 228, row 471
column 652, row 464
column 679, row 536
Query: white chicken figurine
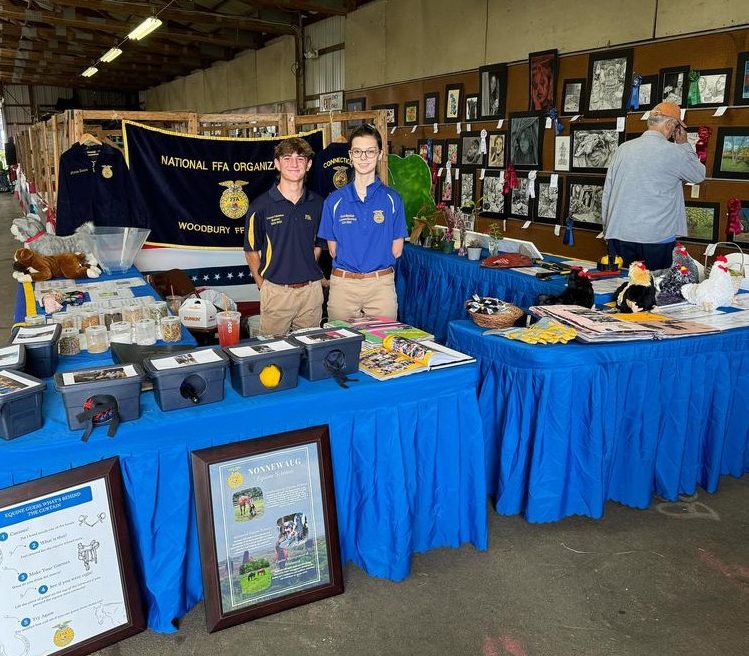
column 714, row 292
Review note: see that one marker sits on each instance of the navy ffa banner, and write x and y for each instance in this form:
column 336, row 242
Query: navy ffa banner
column 195, row 190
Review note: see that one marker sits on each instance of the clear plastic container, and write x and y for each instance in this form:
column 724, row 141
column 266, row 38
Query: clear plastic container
column 112, row 316
column 121, row 332
column 171, row 329
column 69, row 343
column 116, row 247
column 133, row 313
column 90, row 318
column 35, row 320
column 157, row 310
column 96, row 339
column 144, row 332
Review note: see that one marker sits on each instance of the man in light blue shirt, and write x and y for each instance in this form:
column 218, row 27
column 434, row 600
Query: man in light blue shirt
column 643, row 199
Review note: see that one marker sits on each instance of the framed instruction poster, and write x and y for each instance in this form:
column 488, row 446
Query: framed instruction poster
column 65, row 566
column 267, row 525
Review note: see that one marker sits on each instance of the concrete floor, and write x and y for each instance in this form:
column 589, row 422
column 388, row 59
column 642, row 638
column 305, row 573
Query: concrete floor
column 669, row 580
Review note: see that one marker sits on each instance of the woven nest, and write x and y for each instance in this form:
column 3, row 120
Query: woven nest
column 501, row 319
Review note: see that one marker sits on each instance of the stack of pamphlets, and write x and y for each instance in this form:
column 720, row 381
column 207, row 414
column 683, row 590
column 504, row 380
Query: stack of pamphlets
column 594, row 326
column 375, row 329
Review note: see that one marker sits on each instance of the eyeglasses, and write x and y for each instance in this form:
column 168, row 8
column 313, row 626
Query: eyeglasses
column 358, row 153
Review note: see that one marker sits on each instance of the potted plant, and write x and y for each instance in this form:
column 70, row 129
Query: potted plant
column 450, row 221
column 496, row 235
column 424, row 223
column 474, row 249
column 438, row 240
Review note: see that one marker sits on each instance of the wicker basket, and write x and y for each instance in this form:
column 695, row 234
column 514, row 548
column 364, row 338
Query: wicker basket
column 734, row 267
column 500, row 319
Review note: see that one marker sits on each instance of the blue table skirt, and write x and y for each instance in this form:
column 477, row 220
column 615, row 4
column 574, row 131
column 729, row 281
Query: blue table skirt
column 408, row 463
column 569, row 427
column 433, row 287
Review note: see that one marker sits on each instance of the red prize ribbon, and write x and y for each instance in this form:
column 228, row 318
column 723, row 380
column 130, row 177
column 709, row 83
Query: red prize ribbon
column 703, row 133
column 511, row 180
column 734, row 224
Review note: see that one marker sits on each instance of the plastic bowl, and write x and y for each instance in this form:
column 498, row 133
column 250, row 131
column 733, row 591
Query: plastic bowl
column 116, row 248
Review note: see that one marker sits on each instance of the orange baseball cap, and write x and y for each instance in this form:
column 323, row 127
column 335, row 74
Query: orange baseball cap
column 669, row 110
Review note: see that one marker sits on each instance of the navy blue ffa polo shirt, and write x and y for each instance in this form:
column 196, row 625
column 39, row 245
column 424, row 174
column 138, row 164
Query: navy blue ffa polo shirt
column 284, row 233
column 363, row 230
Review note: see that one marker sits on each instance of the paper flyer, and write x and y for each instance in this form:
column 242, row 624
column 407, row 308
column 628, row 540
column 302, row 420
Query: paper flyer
column 186, row 359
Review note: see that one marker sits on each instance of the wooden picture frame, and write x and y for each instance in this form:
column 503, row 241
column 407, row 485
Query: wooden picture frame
column 496, row 150
column 673, row 85
column 562, row 153
column 392, row 113
column 470, row 156
column 593, row 145
column 356, row 105
column 492, row 91
column 518, row 204
column 703, row 221
column 231, row 482
column 542, row 80
column 583, row 196
column 609, row 81
column 467, row 188
column 731, row 153
column 493, row 201
column 471, row 112
column 648, row 93
column 411, row 112
column 715, row 87
column 453, row 103
column 743, row 236
column 432, row 107
column 573, row 96
column 80, row 514
column 526, row 136
column 548, row 205
column 741, row 92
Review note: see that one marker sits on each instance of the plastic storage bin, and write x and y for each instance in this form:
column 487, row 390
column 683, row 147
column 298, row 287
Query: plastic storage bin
column 263, row 367
column 122, row 381
column 328, row 352
column 13, row 357
column 20, row 403
column 188, row 379
column 40, row 343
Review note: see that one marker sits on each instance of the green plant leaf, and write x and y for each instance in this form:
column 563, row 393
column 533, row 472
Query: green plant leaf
column 411, row 178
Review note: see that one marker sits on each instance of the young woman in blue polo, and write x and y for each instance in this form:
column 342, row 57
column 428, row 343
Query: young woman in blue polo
column 364, row 224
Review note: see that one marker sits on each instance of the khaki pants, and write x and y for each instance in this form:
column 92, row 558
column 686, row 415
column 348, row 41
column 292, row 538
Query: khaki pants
column 288, row 308
column 351, row 297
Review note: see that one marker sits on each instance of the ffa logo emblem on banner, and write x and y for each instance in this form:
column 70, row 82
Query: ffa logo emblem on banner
column 378, row 216
column 340, row 177
column 106, row 171
column 234, row 202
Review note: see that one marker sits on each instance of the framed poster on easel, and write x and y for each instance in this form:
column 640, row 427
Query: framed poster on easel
column 66, row 571
column 267, row 525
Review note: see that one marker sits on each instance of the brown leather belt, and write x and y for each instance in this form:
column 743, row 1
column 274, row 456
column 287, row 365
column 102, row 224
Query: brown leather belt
column 340, row 273
column 299, row 285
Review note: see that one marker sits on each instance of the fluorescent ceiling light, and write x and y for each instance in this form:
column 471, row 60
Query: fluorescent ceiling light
column 145, row 28
column 111, row 54
column 91, row 70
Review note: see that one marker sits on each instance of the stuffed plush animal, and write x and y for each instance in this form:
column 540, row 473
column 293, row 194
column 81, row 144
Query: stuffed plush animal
column 30, row 229
column 33, row 266
column 579, row 291
column 638, row 293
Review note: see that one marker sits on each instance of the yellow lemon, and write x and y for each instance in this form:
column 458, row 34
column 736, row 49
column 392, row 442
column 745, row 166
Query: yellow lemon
column 63, row 636
column 270, row 376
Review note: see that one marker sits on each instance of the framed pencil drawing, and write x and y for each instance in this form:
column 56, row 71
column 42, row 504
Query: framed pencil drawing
column 572, row 96
column 609, row 74
column 673, row 85
column 593, row 146
column 583, row 200
column 492, row 91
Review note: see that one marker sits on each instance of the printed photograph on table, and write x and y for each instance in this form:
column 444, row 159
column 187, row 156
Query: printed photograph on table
column 496, row 156
column 267, row 525
column 466, row 188
column 731, row 153
column 572, row 96
column 741, row 93
column 609, row 79
column 470, row 155
column 743, row 236
column 391, row 112
column 472, row 108
column 453, row 103
column 714, row 86
column 451, row 151
column 584, row 196
column 356, row 105
column 493, row 200
column 526, row 139
column 519, row 203
column 594, row 145
column 64, row 540
column 542, row 80
column 547, row 199
column 492, row 90
column 703, row 219
column 411, row 112
column 673, row 85
column 648, row 92
column 431, row 107
column 562, row 154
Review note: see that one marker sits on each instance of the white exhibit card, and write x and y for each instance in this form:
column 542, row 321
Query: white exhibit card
column 59, row 571
column 11, row 382
column 9, row 355
column 96, row 375
column 326, row 336
column 27, row 335
column 186, row 359
column 261, row 349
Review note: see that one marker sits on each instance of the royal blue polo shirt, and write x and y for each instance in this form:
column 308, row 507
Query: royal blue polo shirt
column 364, row 230
column 284, row 233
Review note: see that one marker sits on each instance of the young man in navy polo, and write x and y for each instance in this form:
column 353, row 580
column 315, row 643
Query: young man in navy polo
column 364, row 224
column 280, row 247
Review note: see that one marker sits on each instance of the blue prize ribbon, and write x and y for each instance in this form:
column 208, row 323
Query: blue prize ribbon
column 569, row 237
column 634, row 97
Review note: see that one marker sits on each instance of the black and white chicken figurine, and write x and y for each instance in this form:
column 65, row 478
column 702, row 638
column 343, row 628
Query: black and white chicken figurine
column 682, row 271
column 638, row 293
column 717, row 291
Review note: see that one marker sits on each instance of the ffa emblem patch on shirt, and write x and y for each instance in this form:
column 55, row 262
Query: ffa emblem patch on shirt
column 106, row 171
column 378, row 216
column 340, row 177
column 308, row 217
column 234, row 202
